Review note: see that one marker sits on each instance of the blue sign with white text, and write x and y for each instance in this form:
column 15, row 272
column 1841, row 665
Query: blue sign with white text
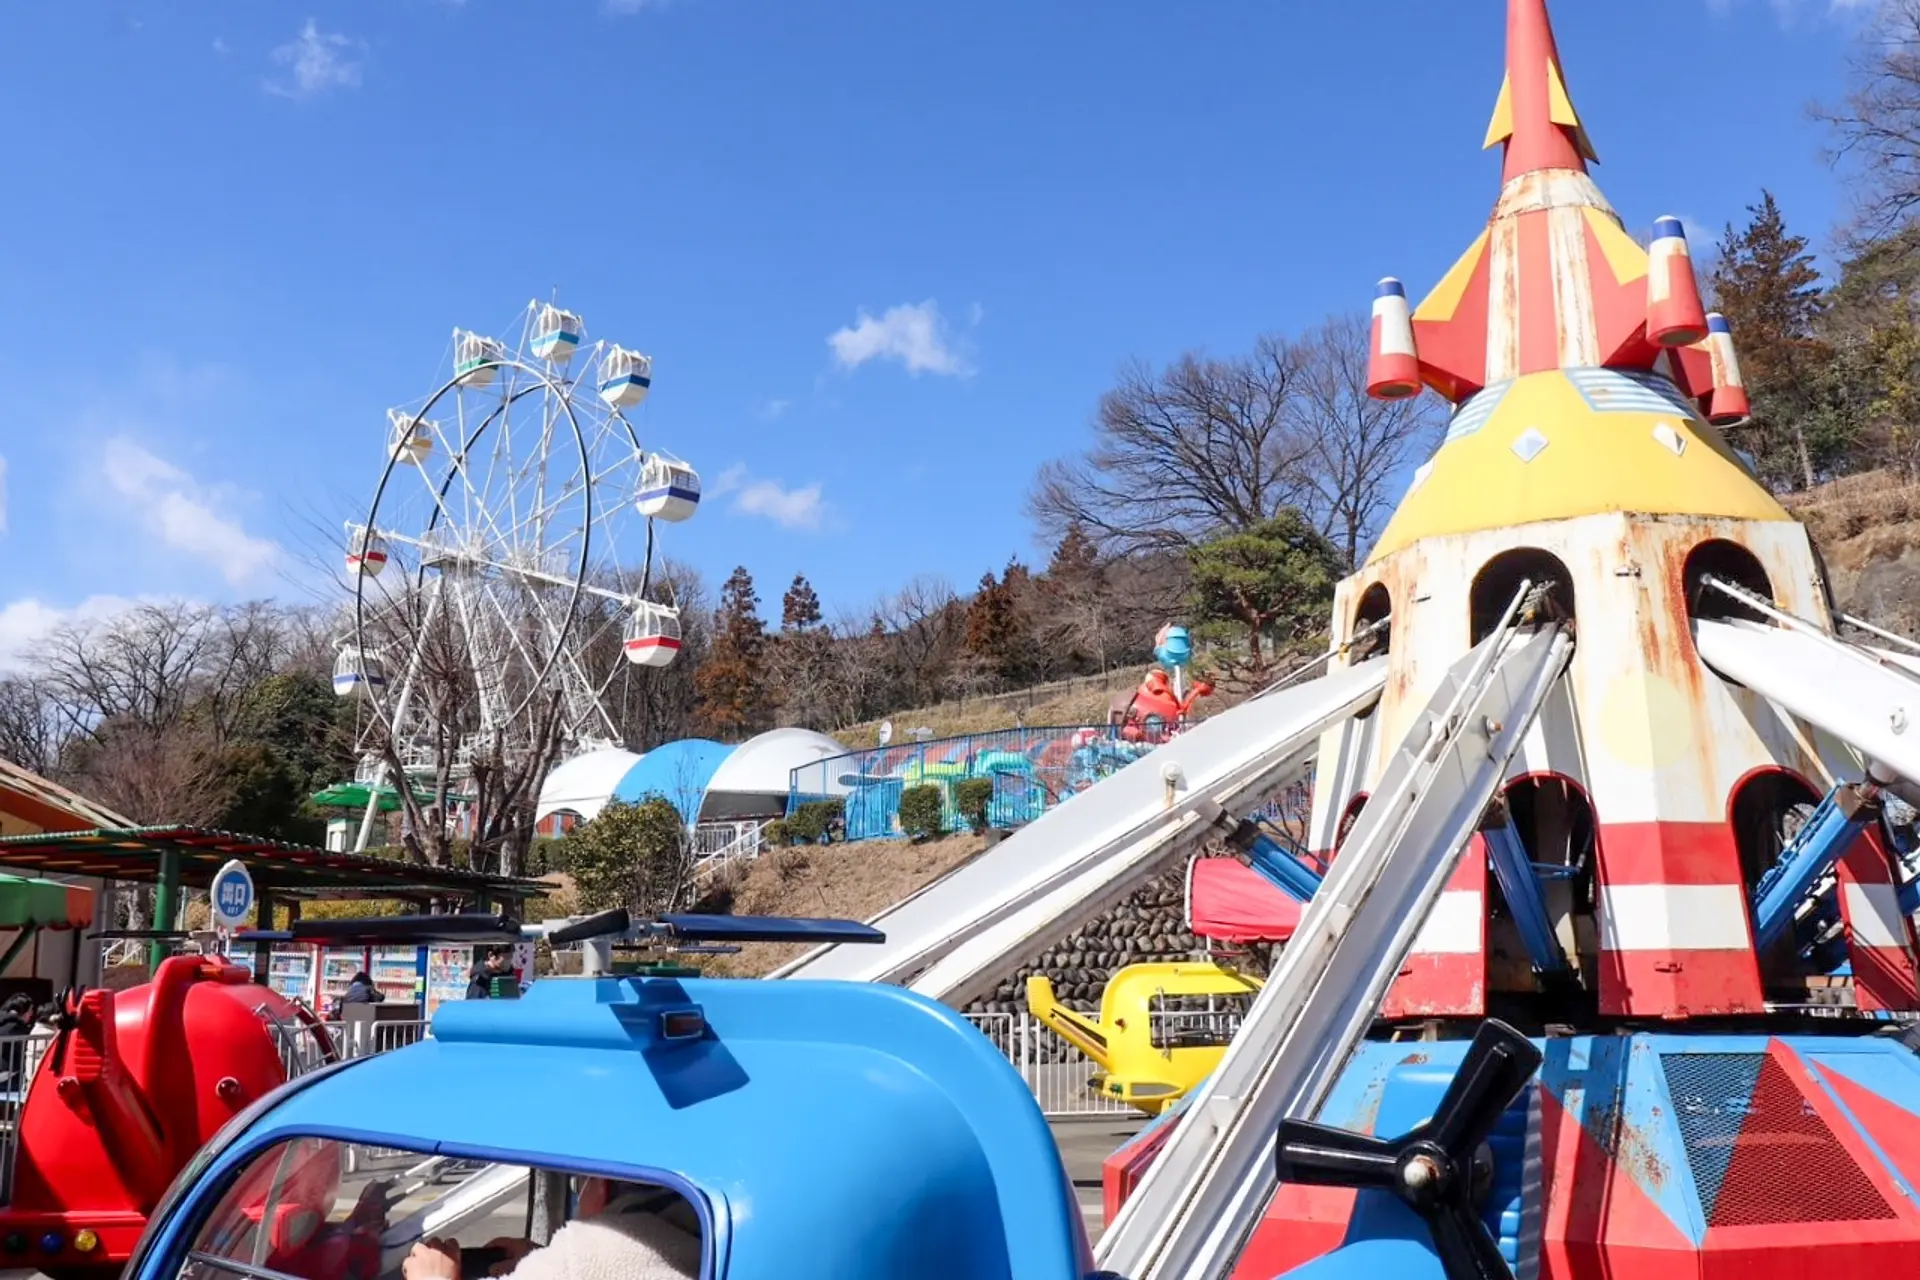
column 232, row 894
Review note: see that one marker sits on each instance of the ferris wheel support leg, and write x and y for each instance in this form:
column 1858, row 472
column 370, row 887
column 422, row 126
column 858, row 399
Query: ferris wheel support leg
column 399, row 718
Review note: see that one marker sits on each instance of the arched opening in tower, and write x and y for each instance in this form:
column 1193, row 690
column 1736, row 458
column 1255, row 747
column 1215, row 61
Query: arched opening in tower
column 1769, row 807
column 1727, row 562
column 1501, row 577
column 1350, row 816
column 1553, row 817
column 1373, row 623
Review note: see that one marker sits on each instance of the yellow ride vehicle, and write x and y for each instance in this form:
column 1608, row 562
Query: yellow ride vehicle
column 1162, row 1028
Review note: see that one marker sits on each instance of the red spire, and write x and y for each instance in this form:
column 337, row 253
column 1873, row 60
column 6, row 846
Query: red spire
column 1534, row 115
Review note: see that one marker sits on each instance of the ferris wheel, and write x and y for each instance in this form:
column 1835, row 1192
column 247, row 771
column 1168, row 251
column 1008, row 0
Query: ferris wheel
column 503, row 575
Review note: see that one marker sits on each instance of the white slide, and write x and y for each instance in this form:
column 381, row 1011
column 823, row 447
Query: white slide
column 954, row 938
column 1869, row 700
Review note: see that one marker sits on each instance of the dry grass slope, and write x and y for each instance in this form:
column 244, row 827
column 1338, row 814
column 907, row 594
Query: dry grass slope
column 845, row 881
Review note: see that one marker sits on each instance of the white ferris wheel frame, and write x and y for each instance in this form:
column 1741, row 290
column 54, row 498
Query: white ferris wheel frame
column 462, row 566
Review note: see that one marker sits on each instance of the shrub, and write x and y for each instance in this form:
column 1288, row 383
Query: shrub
column 632, row 855
column 815, row 821
column 776, row 834
column 971, row 798
column 546, row 855
column 920, row 815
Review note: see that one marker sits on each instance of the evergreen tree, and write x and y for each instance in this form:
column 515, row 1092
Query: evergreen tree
column 998, row 634
column 1076, row 604
column 800, row 610
column 1768, row 288
column 803, row 659
column 1276, row 577
column 732, row 684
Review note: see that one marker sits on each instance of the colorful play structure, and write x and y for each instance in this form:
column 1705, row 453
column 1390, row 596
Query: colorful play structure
column 1032, row 770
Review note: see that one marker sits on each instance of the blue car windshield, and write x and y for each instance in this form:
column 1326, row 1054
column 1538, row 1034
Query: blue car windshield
column 324, row 1209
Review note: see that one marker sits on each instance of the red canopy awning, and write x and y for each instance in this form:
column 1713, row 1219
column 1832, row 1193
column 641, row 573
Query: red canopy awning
column 1229, row 901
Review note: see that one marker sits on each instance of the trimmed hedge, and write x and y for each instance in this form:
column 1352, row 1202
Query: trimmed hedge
column 920, row 815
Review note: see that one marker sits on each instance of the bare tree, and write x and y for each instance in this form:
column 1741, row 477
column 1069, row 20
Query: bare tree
column 1359, row 444
column 861, row 680
column 1877, row 127
column 925, row 625
column 1203, row 445
column 156, row 773
column 34, row 729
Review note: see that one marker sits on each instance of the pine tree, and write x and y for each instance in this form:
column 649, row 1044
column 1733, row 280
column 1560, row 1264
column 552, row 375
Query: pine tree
column 800, row 610
column 1276, row 577
column 732, row 684
column 1768, row 288
column 802, row 659
column 1076, row 603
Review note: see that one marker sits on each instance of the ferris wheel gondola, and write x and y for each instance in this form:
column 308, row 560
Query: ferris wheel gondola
column 669, row 488
column 653, row 635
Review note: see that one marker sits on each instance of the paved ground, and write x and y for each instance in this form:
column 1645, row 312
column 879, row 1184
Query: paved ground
column 1084, row 1144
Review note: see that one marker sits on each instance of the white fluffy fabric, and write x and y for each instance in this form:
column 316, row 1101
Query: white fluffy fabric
column 617, row 1246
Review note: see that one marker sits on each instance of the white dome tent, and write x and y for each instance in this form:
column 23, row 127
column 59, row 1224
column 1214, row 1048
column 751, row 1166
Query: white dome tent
column 584, row 784
column 754, row 780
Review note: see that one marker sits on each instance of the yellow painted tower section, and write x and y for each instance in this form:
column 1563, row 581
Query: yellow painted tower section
column 1561, row 444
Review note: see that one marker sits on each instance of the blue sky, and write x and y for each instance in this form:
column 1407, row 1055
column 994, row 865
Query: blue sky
column 886, row 256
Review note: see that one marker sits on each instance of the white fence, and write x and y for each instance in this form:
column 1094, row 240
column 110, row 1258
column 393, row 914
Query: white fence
column 1055, row 1071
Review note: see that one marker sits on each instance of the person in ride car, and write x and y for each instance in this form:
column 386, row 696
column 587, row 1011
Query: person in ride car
column 624, row 1238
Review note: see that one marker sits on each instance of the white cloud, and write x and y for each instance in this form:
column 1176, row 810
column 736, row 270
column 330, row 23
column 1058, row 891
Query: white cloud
column 774, row 410
column 1788, row 10
column 788, row 508
column 915, row 334
column 317, row 61
column 798, row 508
column 184, row 514
column 1699, row 235
column 24, row 623
column 727, row 481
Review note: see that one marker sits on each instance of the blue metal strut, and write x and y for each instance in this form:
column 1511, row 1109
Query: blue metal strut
column 1274, row 861
column 1521, row 887
column 1827, row 835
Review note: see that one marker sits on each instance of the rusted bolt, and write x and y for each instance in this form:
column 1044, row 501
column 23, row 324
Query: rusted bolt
column 228, row 1090
column 1420, row 1173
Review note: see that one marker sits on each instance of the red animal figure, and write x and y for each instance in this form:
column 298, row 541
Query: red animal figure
column 132, row 1086
column 1153, row 711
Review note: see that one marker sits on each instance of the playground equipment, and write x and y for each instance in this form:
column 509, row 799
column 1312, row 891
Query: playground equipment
column 1150, row 1044
column 132, row 1085
column 516, row 512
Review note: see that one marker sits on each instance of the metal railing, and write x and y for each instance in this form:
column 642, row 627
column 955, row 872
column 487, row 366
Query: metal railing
column 1055, row 1071
column 19, row 1059
column 718, row 845
column 1031, row 769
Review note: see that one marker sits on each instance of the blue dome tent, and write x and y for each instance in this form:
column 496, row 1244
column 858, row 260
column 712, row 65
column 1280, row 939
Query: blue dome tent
column 678, row 772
